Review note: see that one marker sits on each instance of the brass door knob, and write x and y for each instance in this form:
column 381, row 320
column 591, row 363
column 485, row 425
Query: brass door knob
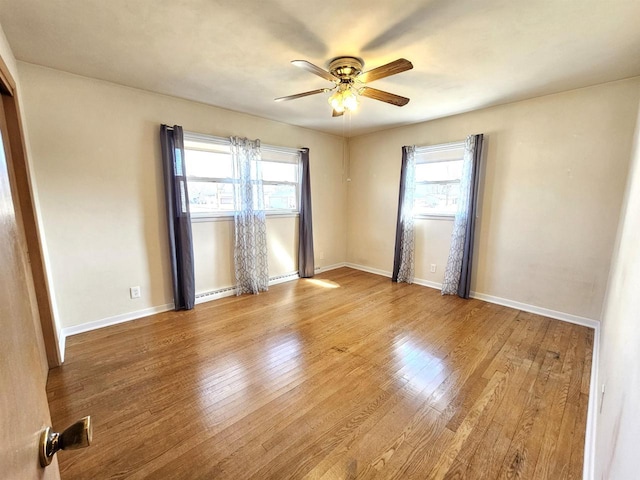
column 77, row 435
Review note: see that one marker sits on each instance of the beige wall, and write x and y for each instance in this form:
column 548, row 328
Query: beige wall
column 213, row 251
column 95, row 149
column 553, row 186
column 618, row 428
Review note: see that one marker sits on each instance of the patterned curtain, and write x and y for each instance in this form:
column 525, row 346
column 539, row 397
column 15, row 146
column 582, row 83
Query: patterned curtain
column 250, row 251
column 457, row 275
column 403, row 264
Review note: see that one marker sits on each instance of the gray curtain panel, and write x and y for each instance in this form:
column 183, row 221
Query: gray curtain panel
column 403, row 263
column 178, row 217
column 457, row 276
column 306, row 265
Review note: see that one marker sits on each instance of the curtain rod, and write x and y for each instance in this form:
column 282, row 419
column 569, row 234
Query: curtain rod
column 225, row 141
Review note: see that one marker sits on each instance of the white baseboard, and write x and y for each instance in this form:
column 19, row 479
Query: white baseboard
column 326, row 268
column 287, row 277
column 385, row 273
column 588, row 468
column 545, row 312
column 427, row 283
column 107, row 322
column 364, row 268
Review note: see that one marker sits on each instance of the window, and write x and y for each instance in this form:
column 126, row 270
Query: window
column 281, row 180
column 437, row 180
column 210, row 176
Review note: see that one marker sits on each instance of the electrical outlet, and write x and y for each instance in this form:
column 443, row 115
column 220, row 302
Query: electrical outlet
column 433, row 268
column 134, row 292
column 320, row 255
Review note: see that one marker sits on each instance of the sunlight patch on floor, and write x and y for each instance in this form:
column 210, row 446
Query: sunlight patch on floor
column 323, row 283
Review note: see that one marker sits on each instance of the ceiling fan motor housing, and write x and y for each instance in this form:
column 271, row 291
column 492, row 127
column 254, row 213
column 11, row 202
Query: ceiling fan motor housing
column 346, row 68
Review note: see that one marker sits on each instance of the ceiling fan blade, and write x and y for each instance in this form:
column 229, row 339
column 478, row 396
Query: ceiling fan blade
column 337, row 113
column 384, row 96
column 300, row 95
column 398, row 66
column 310, row 67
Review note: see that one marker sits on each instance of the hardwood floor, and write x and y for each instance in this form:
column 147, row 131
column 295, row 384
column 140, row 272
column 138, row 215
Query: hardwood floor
column 344, row 376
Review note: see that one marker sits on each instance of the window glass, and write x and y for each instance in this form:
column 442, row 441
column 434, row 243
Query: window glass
column 437, row 179
column 206, row 197
column 277, row 171
column 210, row 177
column 280, row 197
column 439, row 171
column 208, row 164
column 436, row 198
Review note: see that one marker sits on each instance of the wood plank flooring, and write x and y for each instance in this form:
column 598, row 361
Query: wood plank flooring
column 343, row 376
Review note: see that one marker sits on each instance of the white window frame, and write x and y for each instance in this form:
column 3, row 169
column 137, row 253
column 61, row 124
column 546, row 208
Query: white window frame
column 438, row 153
column 226, row 143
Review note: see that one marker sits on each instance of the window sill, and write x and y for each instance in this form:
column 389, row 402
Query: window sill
column 229, row 217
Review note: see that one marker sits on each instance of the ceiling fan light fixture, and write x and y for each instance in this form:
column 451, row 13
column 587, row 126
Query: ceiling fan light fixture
column 345, row 98
column 350, row 100
column 335, row 101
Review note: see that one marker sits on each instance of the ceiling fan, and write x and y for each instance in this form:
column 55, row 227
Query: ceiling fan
column 349, row 79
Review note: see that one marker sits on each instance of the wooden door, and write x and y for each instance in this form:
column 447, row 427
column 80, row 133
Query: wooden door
column 24, row 411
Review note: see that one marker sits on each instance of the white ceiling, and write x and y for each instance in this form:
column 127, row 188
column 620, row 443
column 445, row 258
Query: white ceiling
column 467, row 54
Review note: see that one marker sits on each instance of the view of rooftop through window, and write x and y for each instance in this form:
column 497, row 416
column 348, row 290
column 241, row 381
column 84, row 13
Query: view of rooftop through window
column 210, row 177
column 437, row 179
